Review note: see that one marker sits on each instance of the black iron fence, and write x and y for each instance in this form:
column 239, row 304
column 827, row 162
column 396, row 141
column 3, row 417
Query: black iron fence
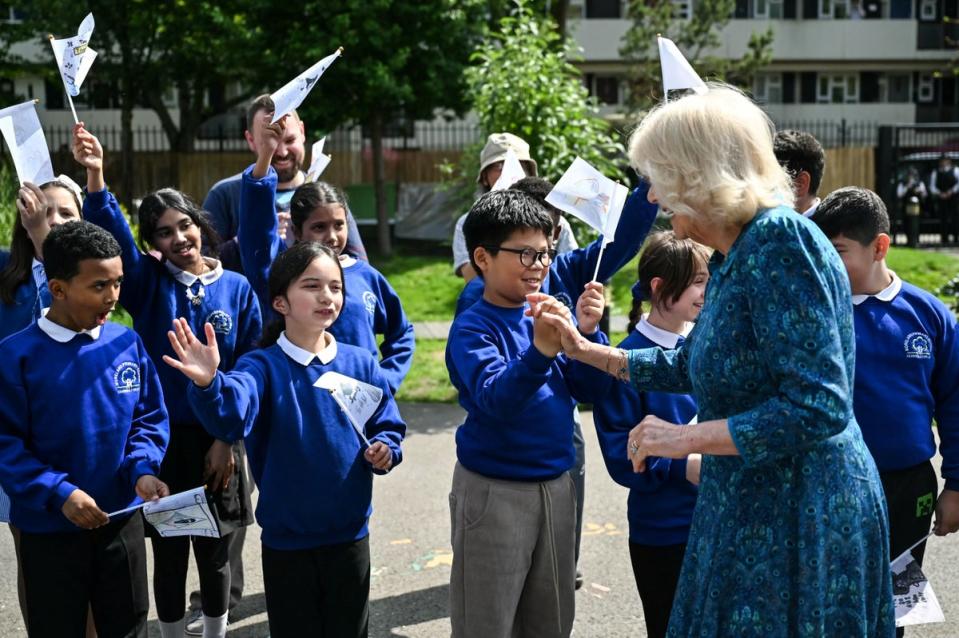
column 836, row 133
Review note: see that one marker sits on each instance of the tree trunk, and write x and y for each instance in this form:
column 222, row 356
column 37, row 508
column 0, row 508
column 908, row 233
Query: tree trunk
column 379, row 187
column 560, row 10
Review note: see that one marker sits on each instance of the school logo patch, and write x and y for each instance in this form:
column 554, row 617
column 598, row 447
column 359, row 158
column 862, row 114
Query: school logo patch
column 369, row 301
column 222, row 323
column 565, row 299
column 918, row 345
column 126, row 378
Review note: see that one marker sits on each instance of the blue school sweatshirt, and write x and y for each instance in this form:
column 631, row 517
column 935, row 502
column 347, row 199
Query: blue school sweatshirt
column 371, row 306
column 570, row 272
column 86, row 414
column 661, row 500
column 519, row 403
column 907, row 374
column 29, row 299
column 155, row 293
column 307, row 460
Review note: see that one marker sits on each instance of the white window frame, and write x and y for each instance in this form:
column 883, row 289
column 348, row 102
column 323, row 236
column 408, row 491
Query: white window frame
column 765, row 84
column 884, row 88
column 768, row 13
column 837, row 80
column 928, row 9
column 682, row 9
column 830, row 12
column 926, row 88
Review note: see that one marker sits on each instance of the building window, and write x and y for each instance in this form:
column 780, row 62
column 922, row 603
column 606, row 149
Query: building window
column 769, row 88
column 10, row 14
column 605, row 88
column 927, row 9
column 838, row 9
column 895, row 88
column 682, row 9
column 603, row 9
column 837, row 88
column 926, row 89
column 768, row 9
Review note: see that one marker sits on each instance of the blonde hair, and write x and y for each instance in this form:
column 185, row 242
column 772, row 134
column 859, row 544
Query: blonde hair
column 711, row 156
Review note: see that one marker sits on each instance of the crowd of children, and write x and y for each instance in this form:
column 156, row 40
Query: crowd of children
column 221, row 364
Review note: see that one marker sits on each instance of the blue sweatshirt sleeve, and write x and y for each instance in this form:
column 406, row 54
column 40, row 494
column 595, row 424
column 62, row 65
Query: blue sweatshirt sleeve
column 586, row 383
column 576, row 267
column 945, row 387
column 217, row 204
column 615, row 416
column 386, row 424
column 250, row 325
column 102, row 209
column 23, row 476
column 229, row 406
column 150, row 430
column 354, row 242
column 499, row 387
column 398, row 338
column 258, row 235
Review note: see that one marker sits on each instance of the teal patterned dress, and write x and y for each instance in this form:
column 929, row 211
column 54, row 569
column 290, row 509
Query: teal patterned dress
column 789, row 538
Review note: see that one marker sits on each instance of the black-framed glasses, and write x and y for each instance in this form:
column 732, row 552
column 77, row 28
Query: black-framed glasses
column 528, row 256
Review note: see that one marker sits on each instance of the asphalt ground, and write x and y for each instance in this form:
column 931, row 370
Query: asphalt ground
column 411, row 551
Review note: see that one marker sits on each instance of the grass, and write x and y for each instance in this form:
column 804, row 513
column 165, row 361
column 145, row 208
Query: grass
column 428, row 380
column 426, row 284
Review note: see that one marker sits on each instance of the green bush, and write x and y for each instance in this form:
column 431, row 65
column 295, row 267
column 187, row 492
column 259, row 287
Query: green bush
column 8, row 209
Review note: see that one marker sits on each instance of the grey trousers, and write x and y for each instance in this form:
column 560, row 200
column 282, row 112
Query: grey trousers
column 514, row 566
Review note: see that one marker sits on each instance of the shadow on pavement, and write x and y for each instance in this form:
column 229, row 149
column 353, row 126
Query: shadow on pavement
column 430, row 418
column 407, row 609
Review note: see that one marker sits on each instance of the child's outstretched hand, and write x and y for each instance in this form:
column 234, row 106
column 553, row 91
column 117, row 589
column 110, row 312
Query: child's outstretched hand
column 589, row 308
column 87, row 149
column 197, row 361
column 947, row 513
column 81, row 510
column 379, row 455
column 150, row 488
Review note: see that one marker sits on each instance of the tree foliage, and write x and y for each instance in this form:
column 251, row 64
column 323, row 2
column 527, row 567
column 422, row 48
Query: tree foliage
column 695, row 37
column 523, row 82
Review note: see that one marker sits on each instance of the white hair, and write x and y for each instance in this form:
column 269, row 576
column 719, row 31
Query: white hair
column 710, row 156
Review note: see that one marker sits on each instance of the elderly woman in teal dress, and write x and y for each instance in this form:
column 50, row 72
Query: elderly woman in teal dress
column 789, row 535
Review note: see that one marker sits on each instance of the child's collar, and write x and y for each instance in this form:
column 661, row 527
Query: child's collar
column 63, row 334
column 886, row 294
column 305, row 357
column 188, row 278
column 662, row 338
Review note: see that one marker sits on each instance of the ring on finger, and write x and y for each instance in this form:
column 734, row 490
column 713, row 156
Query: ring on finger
column 633, row 448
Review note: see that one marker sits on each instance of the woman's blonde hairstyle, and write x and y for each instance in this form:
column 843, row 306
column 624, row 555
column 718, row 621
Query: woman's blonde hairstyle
column 711, row 155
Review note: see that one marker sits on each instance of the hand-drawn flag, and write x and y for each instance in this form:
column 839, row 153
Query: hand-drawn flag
column 912, row 594
column 182, row 514
column 318, row 161
column 586, row 193
column 26, row 142
column 677, row 72
column 512, row 172
column 74, row 56
column 295, row 91
column 358, row 400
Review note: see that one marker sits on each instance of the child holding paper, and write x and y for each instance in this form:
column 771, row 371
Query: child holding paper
column 907, row 372
column 318, row 213
column 182, row 284
column 316, row 556
column 83, row 429
column 512, row 502
column 672, row 278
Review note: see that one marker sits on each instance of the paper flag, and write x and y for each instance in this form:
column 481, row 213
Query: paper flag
column 184, row 514
column 318, row 161
column 512, row 172
column 677, row 72
column 916, row 602
column 26, row 142
column 586, row 193
column 357, row 399
column 74, row 57
column 292, row 95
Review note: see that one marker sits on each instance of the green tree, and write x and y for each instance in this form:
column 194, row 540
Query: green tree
column 523, row 82
column 695, row 37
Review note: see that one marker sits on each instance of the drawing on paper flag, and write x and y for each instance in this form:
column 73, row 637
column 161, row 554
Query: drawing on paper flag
column 26, row 143
column 357, row 399
column 289, row 98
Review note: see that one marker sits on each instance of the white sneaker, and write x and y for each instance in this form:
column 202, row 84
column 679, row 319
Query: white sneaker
column 194, row 623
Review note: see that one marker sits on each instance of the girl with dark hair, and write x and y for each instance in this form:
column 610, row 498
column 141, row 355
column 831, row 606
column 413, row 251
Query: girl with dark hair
column 23, row 284
column 318, row 213
column 672, row 279
column 316, row 554
column 183, row 283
